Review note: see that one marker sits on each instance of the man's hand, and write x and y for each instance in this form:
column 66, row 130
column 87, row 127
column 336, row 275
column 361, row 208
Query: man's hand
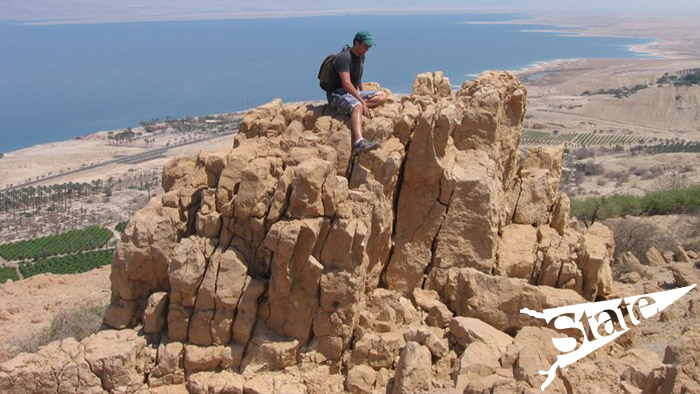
column 365, row 110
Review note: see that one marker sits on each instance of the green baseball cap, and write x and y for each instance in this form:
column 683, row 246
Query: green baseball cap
column 365, row 36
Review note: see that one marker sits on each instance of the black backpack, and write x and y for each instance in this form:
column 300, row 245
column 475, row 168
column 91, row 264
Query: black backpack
column 324, row 73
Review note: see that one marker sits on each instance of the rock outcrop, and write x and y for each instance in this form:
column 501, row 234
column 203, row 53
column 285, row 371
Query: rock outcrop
column 278, row 264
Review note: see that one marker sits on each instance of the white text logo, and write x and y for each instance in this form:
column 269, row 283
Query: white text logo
column 596, row 321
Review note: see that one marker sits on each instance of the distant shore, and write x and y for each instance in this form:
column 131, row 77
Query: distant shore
column 678, row 41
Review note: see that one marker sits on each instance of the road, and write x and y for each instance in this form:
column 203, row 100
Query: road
column 131, row 159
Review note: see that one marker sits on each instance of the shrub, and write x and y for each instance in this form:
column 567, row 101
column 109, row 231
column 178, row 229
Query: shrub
column 121, row 226
column 78, row 323
column 590, row 168
column 685, row 200
column 633, row 235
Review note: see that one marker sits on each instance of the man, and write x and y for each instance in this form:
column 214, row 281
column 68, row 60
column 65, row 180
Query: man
column 345, row 92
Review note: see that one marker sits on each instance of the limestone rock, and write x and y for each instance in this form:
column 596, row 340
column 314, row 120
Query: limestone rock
column 536, row 197
column 155, row 315
column 413, row 373
column 176, row 170
column 517, row 251
column 438, row 313
column 549, row 158
column 680, row 255
column 210, row 358
column 56, row 367
column 360, row 380
column 169, row 368
column 425, row 336
column 685, row 274
column 210, row 382
column 598, row 244
column 497, row 300
column 267, row 383
column 118, row 358
column 432, row 84
column 467, row 330
column 630, row 277
column 655, row 258
column 638, row 365
column 534, row 349
column 378, row 350
column 388, row 311
column 269, row 351
column 560, row 214
column 495, row 107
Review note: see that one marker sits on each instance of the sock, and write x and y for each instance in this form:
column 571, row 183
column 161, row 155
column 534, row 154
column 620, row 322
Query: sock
column 358, row 141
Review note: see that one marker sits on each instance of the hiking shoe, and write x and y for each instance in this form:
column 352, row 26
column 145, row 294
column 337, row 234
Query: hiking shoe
column 365, row 146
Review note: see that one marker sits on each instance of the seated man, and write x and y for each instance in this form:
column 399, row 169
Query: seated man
column 345, row 92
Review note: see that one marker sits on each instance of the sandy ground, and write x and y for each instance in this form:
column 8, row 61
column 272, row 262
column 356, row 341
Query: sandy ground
column 27, row 306
column 58, row 157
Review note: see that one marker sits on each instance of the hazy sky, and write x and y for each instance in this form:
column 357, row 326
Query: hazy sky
column 68, row 9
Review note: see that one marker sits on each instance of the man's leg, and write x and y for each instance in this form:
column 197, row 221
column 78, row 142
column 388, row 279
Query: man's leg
column 376, row 100
column 356, row 122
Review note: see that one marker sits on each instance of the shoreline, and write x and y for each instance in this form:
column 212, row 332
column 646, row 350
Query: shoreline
column 255, row 15
column 659, row 48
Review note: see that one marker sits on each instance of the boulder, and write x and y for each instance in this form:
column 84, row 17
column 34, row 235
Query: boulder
column 655, row 258
column 169, row 368
column 517, row 251
column 155, row 315
column 685, row 274
column 432, row 84
column 213, row 382
column 497, row 300
column 680, row 255
column 268, row 351
column 427, row 337
column 360, row 380
column 413, row 372
column 438, row 313
column 60, row 366
column 598, row 248
column 467, row 330
column 377, row 350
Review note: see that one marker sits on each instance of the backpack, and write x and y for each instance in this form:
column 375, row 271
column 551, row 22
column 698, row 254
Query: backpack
column 324, row 73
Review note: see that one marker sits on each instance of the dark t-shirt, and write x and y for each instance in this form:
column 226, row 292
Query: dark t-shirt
column 349, row 62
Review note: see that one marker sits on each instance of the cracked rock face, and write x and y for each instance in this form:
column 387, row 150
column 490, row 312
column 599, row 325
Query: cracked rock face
column 287, row 253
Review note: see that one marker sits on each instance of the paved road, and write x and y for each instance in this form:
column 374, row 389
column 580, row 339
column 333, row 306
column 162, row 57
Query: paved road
column 131, row 159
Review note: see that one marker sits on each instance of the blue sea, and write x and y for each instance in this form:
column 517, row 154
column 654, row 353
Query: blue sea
column 62, row 81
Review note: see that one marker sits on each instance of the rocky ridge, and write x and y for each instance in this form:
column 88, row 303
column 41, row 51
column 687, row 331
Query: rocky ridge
column 286, row 264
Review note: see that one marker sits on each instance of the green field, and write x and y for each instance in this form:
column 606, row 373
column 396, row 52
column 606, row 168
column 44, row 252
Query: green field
column 7, row 273
column 71, row 264
column 89, row 238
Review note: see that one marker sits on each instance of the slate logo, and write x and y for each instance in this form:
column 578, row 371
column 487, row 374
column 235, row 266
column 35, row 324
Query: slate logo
column 597, row 323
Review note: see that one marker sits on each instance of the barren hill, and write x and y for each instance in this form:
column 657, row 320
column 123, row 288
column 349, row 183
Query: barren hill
column 289, row 265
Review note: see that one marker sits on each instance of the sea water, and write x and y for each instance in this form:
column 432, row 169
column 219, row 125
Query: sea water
column 62, row 81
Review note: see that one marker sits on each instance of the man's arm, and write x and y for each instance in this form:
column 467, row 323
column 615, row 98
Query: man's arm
column 350, row 88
